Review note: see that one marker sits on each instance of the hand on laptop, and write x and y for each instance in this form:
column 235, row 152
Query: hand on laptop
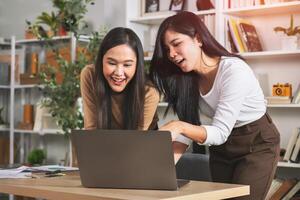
column 174, row 127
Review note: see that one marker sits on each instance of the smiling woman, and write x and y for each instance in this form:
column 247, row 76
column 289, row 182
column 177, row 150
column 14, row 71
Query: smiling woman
column 115, row 92
column 119, row 66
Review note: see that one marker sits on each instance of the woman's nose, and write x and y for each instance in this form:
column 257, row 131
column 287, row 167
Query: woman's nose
column 119, row 71
column 172, row 53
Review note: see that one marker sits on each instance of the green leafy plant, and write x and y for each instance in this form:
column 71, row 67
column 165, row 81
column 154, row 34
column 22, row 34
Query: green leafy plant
column 36, row 157
column 71, row 13
column 94, row 43
column 36, row 30
column 68, row 16
column 61, row 99
column 50, row 20
column 291, row 30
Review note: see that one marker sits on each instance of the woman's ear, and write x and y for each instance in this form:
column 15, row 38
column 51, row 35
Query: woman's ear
column 197, row 37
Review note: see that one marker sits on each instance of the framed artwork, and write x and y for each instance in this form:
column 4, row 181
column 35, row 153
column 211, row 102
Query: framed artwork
column 176, row 5
column 149, row 7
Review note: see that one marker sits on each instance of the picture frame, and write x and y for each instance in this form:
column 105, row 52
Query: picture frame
column 177, row 5
column 149, row 7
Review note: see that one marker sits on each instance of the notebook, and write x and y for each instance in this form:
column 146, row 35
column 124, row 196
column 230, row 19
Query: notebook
column 126, row 159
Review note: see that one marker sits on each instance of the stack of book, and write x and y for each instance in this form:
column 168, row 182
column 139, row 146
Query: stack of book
column 242, row 36
column 284, row 189
column 292, row 150
column 278, row 100
column 296, row 97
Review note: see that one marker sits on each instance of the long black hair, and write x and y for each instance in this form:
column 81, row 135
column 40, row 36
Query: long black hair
column 181, row 89
column 134, row 93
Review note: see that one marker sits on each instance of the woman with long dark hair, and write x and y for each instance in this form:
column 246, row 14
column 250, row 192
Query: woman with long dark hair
column 196, row 74
column 115, row 92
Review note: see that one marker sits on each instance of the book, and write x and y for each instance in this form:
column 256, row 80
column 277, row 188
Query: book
column 278, row 100
column 276, row 183
column 296, row 98
column 250, row 37
column 232, row 45
column 292, row 191
column 285, row 187
column 235, row 34
column 295, row 154
column 291, row 144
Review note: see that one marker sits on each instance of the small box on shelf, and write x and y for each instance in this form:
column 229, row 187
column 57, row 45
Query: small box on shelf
column 27, row 79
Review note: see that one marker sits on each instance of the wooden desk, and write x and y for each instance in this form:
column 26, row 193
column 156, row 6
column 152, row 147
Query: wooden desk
column 69, row 188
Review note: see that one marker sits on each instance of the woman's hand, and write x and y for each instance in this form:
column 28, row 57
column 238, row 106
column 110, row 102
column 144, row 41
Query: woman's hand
column 194, row 132
column 174, row 126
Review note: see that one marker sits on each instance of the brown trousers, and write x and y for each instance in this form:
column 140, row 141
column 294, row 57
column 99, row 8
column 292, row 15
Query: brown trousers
column 249, row 157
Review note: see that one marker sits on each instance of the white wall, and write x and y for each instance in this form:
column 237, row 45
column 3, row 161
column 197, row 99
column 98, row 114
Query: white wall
column 13, row 14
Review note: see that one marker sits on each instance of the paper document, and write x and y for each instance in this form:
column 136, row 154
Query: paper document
column 25, row 171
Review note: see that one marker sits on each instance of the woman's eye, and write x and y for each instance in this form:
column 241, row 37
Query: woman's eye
column 111, row 63
column 127, row 65
column 176, row 44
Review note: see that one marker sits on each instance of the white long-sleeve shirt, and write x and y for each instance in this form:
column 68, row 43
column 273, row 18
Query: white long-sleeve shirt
column 235, row 99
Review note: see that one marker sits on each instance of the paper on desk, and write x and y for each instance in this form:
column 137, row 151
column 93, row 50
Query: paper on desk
column 25, row 171
column 15, row 173
column 52, row 168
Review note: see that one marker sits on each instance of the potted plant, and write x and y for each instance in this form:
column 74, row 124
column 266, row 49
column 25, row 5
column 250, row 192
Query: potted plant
column 68, row 17
column 36, row 157
column 290, row 39
column 50, row 20
column 71, row 13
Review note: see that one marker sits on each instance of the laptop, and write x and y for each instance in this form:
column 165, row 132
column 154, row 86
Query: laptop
column 128, row 159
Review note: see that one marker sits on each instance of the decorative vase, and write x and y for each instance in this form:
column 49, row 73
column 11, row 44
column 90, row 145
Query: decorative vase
column 289, row 42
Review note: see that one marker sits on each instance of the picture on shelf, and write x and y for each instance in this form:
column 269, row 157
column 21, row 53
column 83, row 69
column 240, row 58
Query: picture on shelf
column 177, row 5
column 152, row 6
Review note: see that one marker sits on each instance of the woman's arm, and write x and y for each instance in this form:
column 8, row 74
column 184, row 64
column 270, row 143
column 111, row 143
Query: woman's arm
column 150, row 106
column 87, row 88
column 178, row 149
column 194, row 132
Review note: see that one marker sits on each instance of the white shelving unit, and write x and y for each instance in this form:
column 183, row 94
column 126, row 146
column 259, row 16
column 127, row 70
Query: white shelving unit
column 288, row 164
column 271, row 66
column 15, row 87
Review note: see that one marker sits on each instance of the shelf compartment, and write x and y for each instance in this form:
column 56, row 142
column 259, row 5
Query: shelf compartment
column 279, row 8
column 165, row 104
column 288, row 164
column 271, row 54
column 27, row 86
column 4, row 129
column 291, row 105
column 32, row 41
column 4, row 86
column 159, row 17
column 41, row 132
